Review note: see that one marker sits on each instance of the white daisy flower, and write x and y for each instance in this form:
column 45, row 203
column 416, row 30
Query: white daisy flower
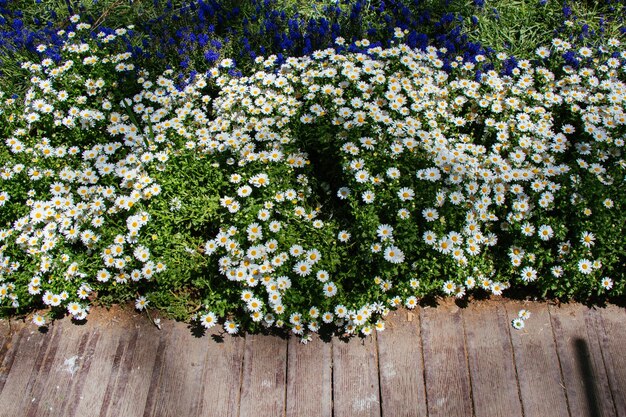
column 208, row 320
column 517, row 323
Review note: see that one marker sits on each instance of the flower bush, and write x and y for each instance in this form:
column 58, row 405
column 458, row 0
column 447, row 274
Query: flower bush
column 189, row 35
column 319, row 191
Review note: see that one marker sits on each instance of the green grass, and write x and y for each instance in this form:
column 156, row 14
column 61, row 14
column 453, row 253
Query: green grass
column 520, row 26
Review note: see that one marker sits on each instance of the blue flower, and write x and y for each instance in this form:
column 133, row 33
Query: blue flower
column 356, row 11
column 18, row 24
column 211, row 56
column 584, row 30
column 567, row 11
column 203, row 39
column 570, row 59
column 417, row 40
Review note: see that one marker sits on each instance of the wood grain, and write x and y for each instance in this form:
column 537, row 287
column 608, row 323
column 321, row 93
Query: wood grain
column 61, row 371
column 127, row 390
column 125, row 348
column 355, row 377
column 541, row 386
column 11, row 335
column 89, row 394
column 309, row 378
column 30, row 351
column 221, row 388
column 612, row 335
column 492, row 368
column 584, row 375
column 446, row 372
column 178, row 374
column 264, row 376
column 43, row 369
column 401, row 365
column 568, row 360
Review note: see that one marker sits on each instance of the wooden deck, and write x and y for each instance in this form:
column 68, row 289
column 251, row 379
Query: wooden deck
column 445, row 361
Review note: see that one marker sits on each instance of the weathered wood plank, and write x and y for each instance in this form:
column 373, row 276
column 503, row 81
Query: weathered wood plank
column 88, row 395
column 30, row 352
column 125, row 348
column 448, row 389
column 222, row 375
column 309, row 378
column 61, row 371
column 7, row 330
column 43, row 367
column 264, row 373
column 355, row 377
column 537, row 363
column 178, row 385
column 95, row 340
column 584, row 375
column 495, row 391
column 11, row 334
column 401, row 365
column 130, row 368
column 129, row 390
column 612, row 335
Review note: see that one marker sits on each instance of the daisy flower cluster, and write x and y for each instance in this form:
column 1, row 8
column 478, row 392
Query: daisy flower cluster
column 493, row 154
column 345, row 184
column 518, row 323
column 71, row 189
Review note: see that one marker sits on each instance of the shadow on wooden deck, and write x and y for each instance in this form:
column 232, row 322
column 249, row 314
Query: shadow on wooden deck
column 443, row 361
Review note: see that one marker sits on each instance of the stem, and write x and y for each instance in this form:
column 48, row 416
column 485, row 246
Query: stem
column 158, row 326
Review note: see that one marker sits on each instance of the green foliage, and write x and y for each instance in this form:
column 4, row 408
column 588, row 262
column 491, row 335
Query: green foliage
column 326, row 191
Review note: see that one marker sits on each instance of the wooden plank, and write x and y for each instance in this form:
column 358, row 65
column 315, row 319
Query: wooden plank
column 217, row 392
column 95, row 373
column 69, row 368
column 222, row 374
column 129, row 387
column 448, row 389
column 309, row 378
column 11, row 334
column 495, row 391
column 109, row 370
column 125, row 347
column 7, row 330
column 541, row 385
column 52, row 390
column 355, row 377
column 612, row 336
column 30, row 353
column 264, row 373
column 582, row 365
column 401, row 365
column 43, row 366
column 177, row 378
